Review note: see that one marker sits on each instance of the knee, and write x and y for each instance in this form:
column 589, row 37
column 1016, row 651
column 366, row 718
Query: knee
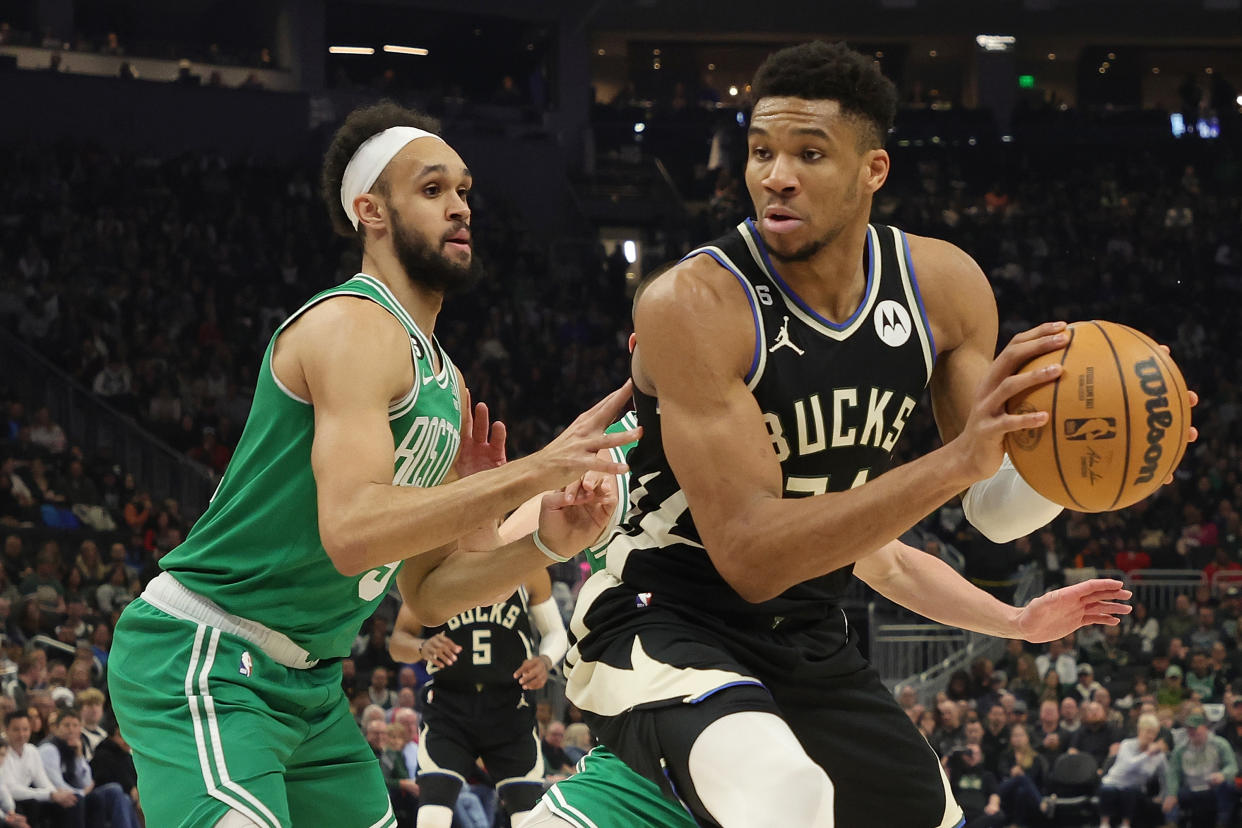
column 438, row 789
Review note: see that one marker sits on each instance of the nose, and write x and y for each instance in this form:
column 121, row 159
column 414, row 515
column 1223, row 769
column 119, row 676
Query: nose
column 781, row 177
column 458, row 209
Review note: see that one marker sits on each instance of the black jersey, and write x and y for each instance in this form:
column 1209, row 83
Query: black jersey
column 494, row 639
column 834, row 397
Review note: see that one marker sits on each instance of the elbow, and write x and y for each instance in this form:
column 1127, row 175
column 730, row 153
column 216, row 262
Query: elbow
column 743, row 569
column 344, row 551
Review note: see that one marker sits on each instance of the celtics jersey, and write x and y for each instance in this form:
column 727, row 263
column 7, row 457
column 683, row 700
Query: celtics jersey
column 256, row 552
column 495, row 639
column 595, row 554
column 834, row 397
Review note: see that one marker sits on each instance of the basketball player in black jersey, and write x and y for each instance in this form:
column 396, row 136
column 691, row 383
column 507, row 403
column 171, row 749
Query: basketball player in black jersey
column 479, row 704
column 775, row 371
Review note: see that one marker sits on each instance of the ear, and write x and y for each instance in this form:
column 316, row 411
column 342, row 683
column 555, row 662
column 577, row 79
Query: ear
column 876, row 172
column 371, row 211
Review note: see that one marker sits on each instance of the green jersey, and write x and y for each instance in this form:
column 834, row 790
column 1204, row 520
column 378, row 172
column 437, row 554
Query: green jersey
column 595, row 554
column 256, row 552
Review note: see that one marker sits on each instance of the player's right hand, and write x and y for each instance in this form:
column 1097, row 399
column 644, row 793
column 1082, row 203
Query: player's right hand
column 574, row 451
column 981, row 443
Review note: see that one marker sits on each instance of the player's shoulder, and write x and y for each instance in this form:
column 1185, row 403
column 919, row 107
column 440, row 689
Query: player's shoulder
column 693, row 287
column 953, row 286
column 350, row 320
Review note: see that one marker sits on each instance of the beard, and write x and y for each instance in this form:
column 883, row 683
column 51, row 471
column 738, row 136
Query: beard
column 427, row 266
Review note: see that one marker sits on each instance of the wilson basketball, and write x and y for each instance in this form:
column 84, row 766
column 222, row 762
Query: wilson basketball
column 1119, row 418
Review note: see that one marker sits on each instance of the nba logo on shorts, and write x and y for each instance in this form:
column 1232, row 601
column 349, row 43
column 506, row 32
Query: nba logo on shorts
column 642, row 599
column 247, row 666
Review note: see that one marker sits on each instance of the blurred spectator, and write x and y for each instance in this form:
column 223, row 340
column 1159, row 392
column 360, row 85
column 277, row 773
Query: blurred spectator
column 378, row 692
column 113, row 761
column 975, row 789
column 1050, row 739
column 1124, row 786
column 555, row 759
column 1096, row 736
column 1171, row 691
column 402, row 790
column 1200, row 776
column 47, row 434
column 1022, row 771
column 1060, row 657
column 1085, row 687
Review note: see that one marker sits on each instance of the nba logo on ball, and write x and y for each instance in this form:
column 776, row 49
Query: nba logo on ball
column 892, row 323
column 247, row 666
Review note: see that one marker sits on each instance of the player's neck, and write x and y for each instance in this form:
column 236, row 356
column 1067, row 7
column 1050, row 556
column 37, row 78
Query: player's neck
column 421, row 303
column 833, row 281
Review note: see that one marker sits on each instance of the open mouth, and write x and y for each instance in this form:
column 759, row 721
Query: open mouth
column 777, row 220
column 459, row 241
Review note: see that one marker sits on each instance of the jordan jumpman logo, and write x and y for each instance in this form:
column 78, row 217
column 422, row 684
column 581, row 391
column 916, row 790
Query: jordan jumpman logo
column 783, row 340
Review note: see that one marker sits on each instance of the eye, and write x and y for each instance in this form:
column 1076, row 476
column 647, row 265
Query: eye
column 463, row 193
column 431, row 190
column 761, row 153
column 811, row 155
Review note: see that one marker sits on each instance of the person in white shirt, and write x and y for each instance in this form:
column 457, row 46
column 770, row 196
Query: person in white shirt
column 9, row 817
column 26, row 779
column 1060, row 657
column 66, row 767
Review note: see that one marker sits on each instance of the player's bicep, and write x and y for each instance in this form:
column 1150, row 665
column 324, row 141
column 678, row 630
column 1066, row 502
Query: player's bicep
column 696, row 355
column 965, row 310
column 352, row 374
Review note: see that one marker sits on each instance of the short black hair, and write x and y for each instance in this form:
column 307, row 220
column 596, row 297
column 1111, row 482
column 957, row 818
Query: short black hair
column 831, row 71
column 16, row 714
column 360, row 125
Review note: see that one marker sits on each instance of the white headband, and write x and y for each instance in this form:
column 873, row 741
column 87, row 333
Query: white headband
column 369, row 161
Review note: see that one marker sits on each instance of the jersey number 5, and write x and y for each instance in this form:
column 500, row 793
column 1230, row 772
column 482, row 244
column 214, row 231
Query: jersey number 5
column 481, row 647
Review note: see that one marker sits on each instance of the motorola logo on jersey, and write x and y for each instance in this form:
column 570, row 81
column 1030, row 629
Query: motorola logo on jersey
column 892, row 323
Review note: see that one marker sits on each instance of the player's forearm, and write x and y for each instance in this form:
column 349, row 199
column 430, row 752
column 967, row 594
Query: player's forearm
column 382, row 523
column 405, row 647
column 470, row 579
column 933, row 589
column 778, row 543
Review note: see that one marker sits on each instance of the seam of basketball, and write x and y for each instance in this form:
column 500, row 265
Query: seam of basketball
column 1052, row 424
column 1170, row 367
column 1125, row 404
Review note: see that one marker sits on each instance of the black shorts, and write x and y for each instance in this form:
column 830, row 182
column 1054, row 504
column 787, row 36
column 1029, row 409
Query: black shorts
column 808, row 671
column 495, row 724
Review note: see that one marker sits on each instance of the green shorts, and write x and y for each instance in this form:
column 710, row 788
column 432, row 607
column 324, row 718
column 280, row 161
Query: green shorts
column 216, row 724
column 605, row 793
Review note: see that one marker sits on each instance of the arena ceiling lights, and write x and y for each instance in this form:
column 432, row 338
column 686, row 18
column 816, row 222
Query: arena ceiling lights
column 351, row 50
column 406, row 50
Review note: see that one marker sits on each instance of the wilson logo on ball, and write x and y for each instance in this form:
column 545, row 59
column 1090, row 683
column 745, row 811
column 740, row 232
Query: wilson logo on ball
column 1159, row 418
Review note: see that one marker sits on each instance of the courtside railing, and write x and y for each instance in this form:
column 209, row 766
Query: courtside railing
column 95, row 425
column 924, row 655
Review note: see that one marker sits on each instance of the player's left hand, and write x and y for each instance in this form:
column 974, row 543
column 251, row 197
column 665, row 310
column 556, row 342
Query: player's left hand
column 1058, row 613
column 533, row 673
column 573, row 519
column 482, row 443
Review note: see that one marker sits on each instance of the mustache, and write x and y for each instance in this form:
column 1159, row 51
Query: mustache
column 457, row 227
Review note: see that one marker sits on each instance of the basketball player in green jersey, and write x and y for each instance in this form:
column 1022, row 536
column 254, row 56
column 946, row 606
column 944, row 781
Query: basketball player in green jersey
column 226, row 674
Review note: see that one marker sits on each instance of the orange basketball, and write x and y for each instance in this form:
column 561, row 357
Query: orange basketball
column 1119, row 418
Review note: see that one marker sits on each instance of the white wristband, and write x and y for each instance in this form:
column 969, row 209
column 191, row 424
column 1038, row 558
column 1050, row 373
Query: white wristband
column 545, row 549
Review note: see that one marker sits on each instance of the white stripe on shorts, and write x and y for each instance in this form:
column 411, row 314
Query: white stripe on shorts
column 267, row 818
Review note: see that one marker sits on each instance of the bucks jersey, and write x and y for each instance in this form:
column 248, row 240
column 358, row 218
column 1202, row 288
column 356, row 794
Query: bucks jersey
column 595, row 554
column 835, row 397
column 256, row 551
column 494, row 639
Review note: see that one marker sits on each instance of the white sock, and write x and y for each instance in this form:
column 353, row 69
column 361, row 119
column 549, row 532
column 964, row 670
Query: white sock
column 435, row 816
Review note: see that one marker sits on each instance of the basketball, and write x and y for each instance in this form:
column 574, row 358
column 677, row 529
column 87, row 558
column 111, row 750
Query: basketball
column 1119, row 418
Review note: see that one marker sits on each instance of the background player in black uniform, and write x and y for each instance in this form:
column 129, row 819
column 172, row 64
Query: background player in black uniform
column 479, row 706
column 774, row 373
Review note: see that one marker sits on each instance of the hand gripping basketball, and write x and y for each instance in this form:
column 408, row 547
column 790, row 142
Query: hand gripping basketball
column 981, row 441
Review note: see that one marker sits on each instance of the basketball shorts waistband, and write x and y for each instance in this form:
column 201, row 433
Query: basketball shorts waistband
column 169, row 595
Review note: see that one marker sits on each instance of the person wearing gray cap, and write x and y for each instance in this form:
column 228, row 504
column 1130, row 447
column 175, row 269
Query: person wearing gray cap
column 1200, row 777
